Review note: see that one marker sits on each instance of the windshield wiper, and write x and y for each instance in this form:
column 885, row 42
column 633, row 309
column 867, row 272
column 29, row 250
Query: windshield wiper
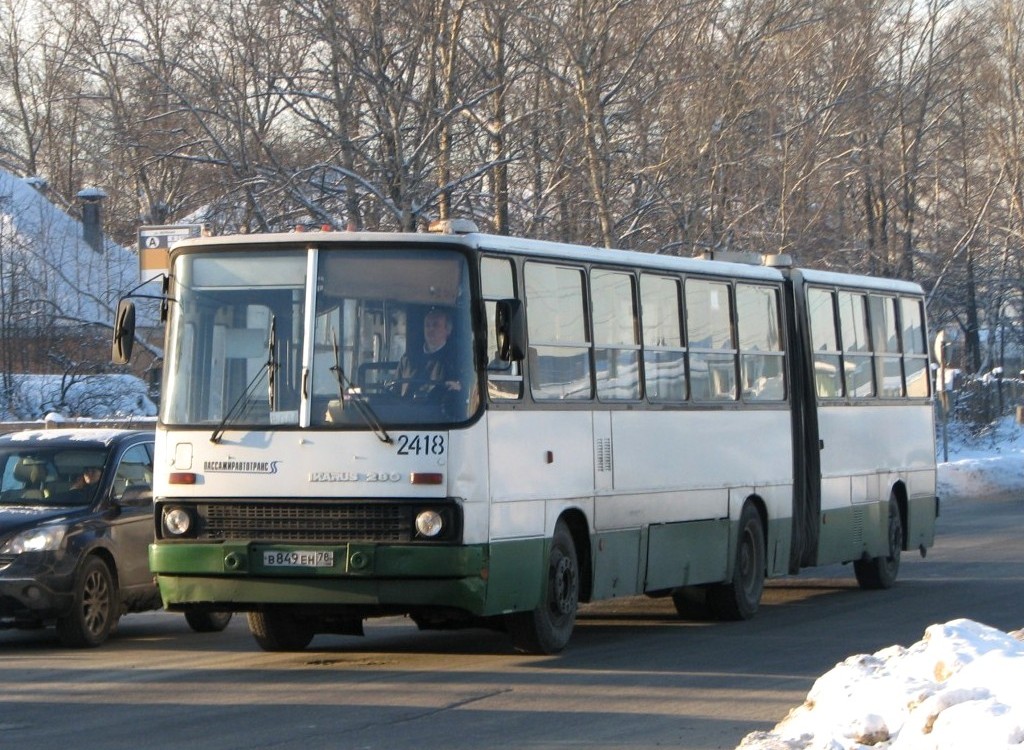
column 269, row 367
column 362, row 406
column 272, row 363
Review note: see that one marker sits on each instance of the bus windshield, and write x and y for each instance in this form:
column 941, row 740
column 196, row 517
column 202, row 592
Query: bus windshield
column 382, row 338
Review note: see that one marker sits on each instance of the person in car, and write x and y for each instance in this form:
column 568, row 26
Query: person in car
column 88, row 479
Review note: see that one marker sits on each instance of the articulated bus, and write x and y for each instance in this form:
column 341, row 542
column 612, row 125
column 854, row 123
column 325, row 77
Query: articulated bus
column 603, row 423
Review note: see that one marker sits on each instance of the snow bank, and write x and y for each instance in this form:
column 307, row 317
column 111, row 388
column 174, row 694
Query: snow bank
column 960, row 687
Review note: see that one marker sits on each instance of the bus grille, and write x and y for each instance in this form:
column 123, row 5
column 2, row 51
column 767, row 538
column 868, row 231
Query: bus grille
column 275, row 522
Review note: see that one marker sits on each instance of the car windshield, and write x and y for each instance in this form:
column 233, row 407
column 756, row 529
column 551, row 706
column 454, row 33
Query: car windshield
column 50, row 475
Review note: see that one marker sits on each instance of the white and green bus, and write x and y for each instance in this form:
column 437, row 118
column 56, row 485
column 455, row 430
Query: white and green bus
column 603, row 424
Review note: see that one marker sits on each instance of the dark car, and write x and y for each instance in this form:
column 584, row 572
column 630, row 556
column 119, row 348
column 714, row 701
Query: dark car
column 76, row 520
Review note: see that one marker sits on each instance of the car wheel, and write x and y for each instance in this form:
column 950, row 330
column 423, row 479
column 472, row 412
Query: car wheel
column 95, row 610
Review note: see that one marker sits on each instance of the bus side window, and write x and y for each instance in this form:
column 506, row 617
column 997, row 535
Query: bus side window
column 504, row 379
column 559, row 350
column 915, row 350
column 828, row 374
column 616, row 349
column 857, row 356
column 664, row 353
column 761, row 357
column 709, row 331
column 888, row 365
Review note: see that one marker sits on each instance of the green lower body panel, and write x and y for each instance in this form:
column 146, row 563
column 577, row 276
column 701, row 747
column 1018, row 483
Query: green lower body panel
column 687, row 554
column 780, row 539
column 479, row 579
column 516, row 575
column 861, row 531
column 846, row 534
column 921, row 515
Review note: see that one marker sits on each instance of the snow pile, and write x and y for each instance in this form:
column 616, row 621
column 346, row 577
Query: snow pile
column 961, row 686
column 989, row 476
column 987, row 465
column 32, row 397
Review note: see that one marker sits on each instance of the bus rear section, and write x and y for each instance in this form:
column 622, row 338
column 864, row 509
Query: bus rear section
column 870, row 446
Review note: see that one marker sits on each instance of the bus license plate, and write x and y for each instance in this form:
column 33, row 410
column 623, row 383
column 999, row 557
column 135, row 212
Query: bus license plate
column 299, row 559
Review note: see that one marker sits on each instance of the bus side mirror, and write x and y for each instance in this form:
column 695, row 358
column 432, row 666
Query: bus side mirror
column 510, row 330
column 124, row 332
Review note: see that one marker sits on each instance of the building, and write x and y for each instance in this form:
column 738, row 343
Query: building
column 60, row 281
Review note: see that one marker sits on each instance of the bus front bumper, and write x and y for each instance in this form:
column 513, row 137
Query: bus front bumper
column 242, row 575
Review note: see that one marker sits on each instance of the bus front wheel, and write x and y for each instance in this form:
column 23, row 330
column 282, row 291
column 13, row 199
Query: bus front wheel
column 740, row 597
column 546, row 629
column 278, row 629
column 207, row 622
column 880, row 572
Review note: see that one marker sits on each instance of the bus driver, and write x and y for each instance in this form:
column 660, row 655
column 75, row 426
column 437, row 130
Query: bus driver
column 419, row 374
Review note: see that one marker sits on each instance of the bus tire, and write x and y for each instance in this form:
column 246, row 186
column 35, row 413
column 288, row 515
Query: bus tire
column 740, row 597
column 207, row 622
column 691, row 602
column 95, row 610
column 880, row 572
column 546, row 629
column 278, row 629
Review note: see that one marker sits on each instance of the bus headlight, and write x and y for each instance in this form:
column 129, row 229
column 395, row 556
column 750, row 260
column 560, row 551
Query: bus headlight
column 429, row 523
column 177, row 522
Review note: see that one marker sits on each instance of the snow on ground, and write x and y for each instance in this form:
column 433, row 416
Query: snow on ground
column 960, row 687
column 991, row 464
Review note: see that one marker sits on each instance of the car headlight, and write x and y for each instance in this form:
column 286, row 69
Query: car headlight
column 35, row 540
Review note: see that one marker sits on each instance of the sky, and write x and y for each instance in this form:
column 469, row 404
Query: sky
column 960, row 687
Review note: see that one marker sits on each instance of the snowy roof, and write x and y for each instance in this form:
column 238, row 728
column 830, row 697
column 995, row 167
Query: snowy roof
column 47, row 260
column 92, row 435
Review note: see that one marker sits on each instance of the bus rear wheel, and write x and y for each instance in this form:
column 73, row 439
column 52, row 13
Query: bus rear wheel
column 740, row 598
column 278, row 629
column 880, row 572
column 546, row 630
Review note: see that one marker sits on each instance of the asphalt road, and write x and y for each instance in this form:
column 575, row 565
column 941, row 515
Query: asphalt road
column 634, row 677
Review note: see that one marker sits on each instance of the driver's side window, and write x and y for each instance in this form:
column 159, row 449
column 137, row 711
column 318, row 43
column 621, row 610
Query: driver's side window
column 134, row 474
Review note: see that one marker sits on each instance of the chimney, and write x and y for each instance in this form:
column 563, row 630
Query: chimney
column 91, row 199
